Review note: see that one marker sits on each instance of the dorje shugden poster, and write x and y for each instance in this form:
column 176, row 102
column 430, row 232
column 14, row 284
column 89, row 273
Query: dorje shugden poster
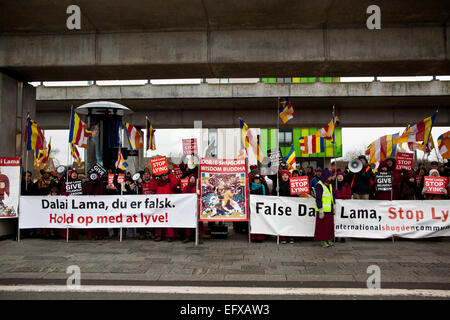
column 223, row 190
column 9, row 186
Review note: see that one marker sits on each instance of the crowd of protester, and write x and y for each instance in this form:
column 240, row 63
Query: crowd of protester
column 323, row 183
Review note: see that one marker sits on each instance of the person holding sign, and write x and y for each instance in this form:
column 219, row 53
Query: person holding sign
column 383, row 182
column 165, row 183
column 435, row 188
column 73, row 186
column 325, row 205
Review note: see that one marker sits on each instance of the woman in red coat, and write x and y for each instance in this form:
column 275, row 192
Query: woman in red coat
column 164, row 184
column 343, row 190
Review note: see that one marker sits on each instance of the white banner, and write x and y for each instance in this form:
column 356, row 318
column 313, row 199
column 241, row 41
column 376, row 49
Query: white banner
column 383, row 219
column 133, row 211
column 295, row 217
column 284, row 216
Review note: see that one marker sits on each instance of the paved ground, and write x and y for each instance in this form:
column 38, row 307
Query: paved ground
column 417, row 264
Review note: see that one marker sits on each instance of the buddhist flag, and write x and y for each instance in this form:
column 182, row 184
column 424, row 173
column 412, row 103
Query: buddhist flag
column 290, row 159
column 34, row 138
column 134, row 137
column 286, row 110
column 247, row 139
column 443, row 142
column 75, row 154
column 312, row 144
column 151, row 145
column 327, row 132
column 418, row 132
column 79, row 132
column 382, row 148
column 120, row 163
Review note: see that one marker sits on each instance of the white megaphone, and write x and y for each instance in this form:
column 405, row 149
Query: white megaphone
column 355, row 166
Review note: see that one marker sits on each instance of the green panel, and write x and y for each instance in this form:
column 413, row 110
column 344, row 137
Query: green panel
column 269, row 80
column 296, row 80
column 263, row 141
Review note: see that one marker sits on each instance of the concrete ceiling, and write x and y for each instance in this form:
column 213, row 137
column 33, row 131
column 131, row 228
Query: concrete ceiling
column 49, row 16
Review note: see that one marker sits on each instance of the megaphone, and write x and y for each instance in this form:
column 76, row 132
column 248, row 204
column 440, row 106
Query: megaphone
column 137, row 177
column 61, row 169
column 355, row 166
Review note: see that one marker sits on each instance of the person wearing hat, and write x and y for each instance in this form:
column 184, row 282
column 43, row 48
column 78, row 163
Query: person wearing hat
column 360, row 181
column 256, row 187
column 316, row 179
column 433, row 196
column 325, row 206
column 44, row 183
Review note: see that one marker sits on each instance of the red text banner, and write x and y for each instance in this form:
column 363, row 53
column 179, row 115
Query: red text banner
column 9, row 186
column 435, row 184
column 404, row 161
column 159, row 165
column 190, row 146
column 299, row 185
column 131, row 211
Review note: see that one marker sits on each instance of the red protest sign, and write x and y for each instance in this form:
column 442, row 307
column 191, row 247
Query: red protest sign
column 184, row 182
column 159, row 165
column 120, row 180
column 190, row 146
column 177, row 171
column 435, row 184
column 299, row 185
column 404, row 161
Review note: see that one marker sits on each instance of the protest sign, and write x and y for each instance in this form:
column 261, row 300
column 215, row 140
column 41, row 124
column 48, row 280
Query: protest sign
column 9, row 186
column 130, row 211
column 435, row 184
column 74, row 187
column 159, row 165
column 184, row 182
column 98, row 169
column 190, row 146
column 223, row 190
column 299, row 185
column 383, row 181
column 404, row 161
column 177, row 171
column 120, row 180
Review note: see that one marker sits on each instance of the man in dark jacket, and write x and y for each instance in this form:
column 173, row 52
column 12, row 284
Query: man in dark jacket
column 28, row 187
column 361, row 181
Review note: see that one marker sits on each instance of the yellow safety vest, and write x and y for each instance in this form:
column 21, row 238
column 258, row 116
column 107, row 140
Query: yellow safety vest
column 327, row 198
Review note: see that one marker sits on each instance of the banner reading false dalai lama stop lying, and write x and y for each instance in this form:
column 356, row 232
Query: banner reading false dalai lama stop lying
column 133, row 211
column 286, row 216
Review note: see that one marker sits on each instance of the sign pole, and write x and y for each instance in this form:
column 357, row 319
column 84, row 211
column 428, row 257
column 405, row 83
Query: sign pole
column 67, row 234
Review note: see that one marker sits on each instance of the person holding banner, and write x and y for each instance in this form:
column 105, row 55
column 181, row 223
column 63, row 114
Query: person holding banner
column 28, row 187
column 343, row 190
column 191, row 187
column 165, row 183
column 257, row 187
column 285, row 191
column 73, row 186
column 325, row 205
column 408, row 189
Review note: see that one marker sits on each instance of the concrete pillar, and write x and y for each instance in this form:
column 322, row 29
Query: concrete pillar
column 16, row 100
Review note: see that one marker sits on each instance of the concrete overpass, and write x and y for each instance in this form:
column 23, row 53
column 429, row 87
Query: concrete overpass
column 372, row 104
column 138, row 39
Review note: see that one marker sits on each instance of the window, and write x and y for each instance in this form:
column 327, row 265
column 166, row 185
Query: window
column 285, row 137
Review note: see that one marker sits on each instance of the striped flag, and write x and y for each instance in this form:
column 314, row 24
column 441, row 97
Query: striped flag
column 286, row 110
column 151, row 144
column 327, row 132
column 247, row 139
column 312, row 144
column 34, row 138
column 443, row 142
column 75, row 154
column 120, row 163
column 421, row 131
column 134, row 137
column 382, row 148
column 79, row 132
column 290, row 159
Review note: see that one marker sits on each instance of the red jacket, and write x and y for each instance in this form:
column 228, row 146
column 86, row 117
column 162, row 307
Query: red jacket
column 344, row 193
column 168, row 187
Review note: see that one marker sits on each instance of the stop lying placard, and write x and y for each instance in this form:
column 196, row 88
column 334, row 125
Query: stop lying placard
column 404, row 161
column 159, row 165
column 435, row 184
column 299, row 185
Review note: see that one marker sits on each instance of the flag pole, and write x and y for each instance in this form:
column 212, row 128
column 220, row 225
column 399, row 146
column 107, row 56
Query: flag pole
column 278, row 145
column 68, row 146
column 334, row 144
